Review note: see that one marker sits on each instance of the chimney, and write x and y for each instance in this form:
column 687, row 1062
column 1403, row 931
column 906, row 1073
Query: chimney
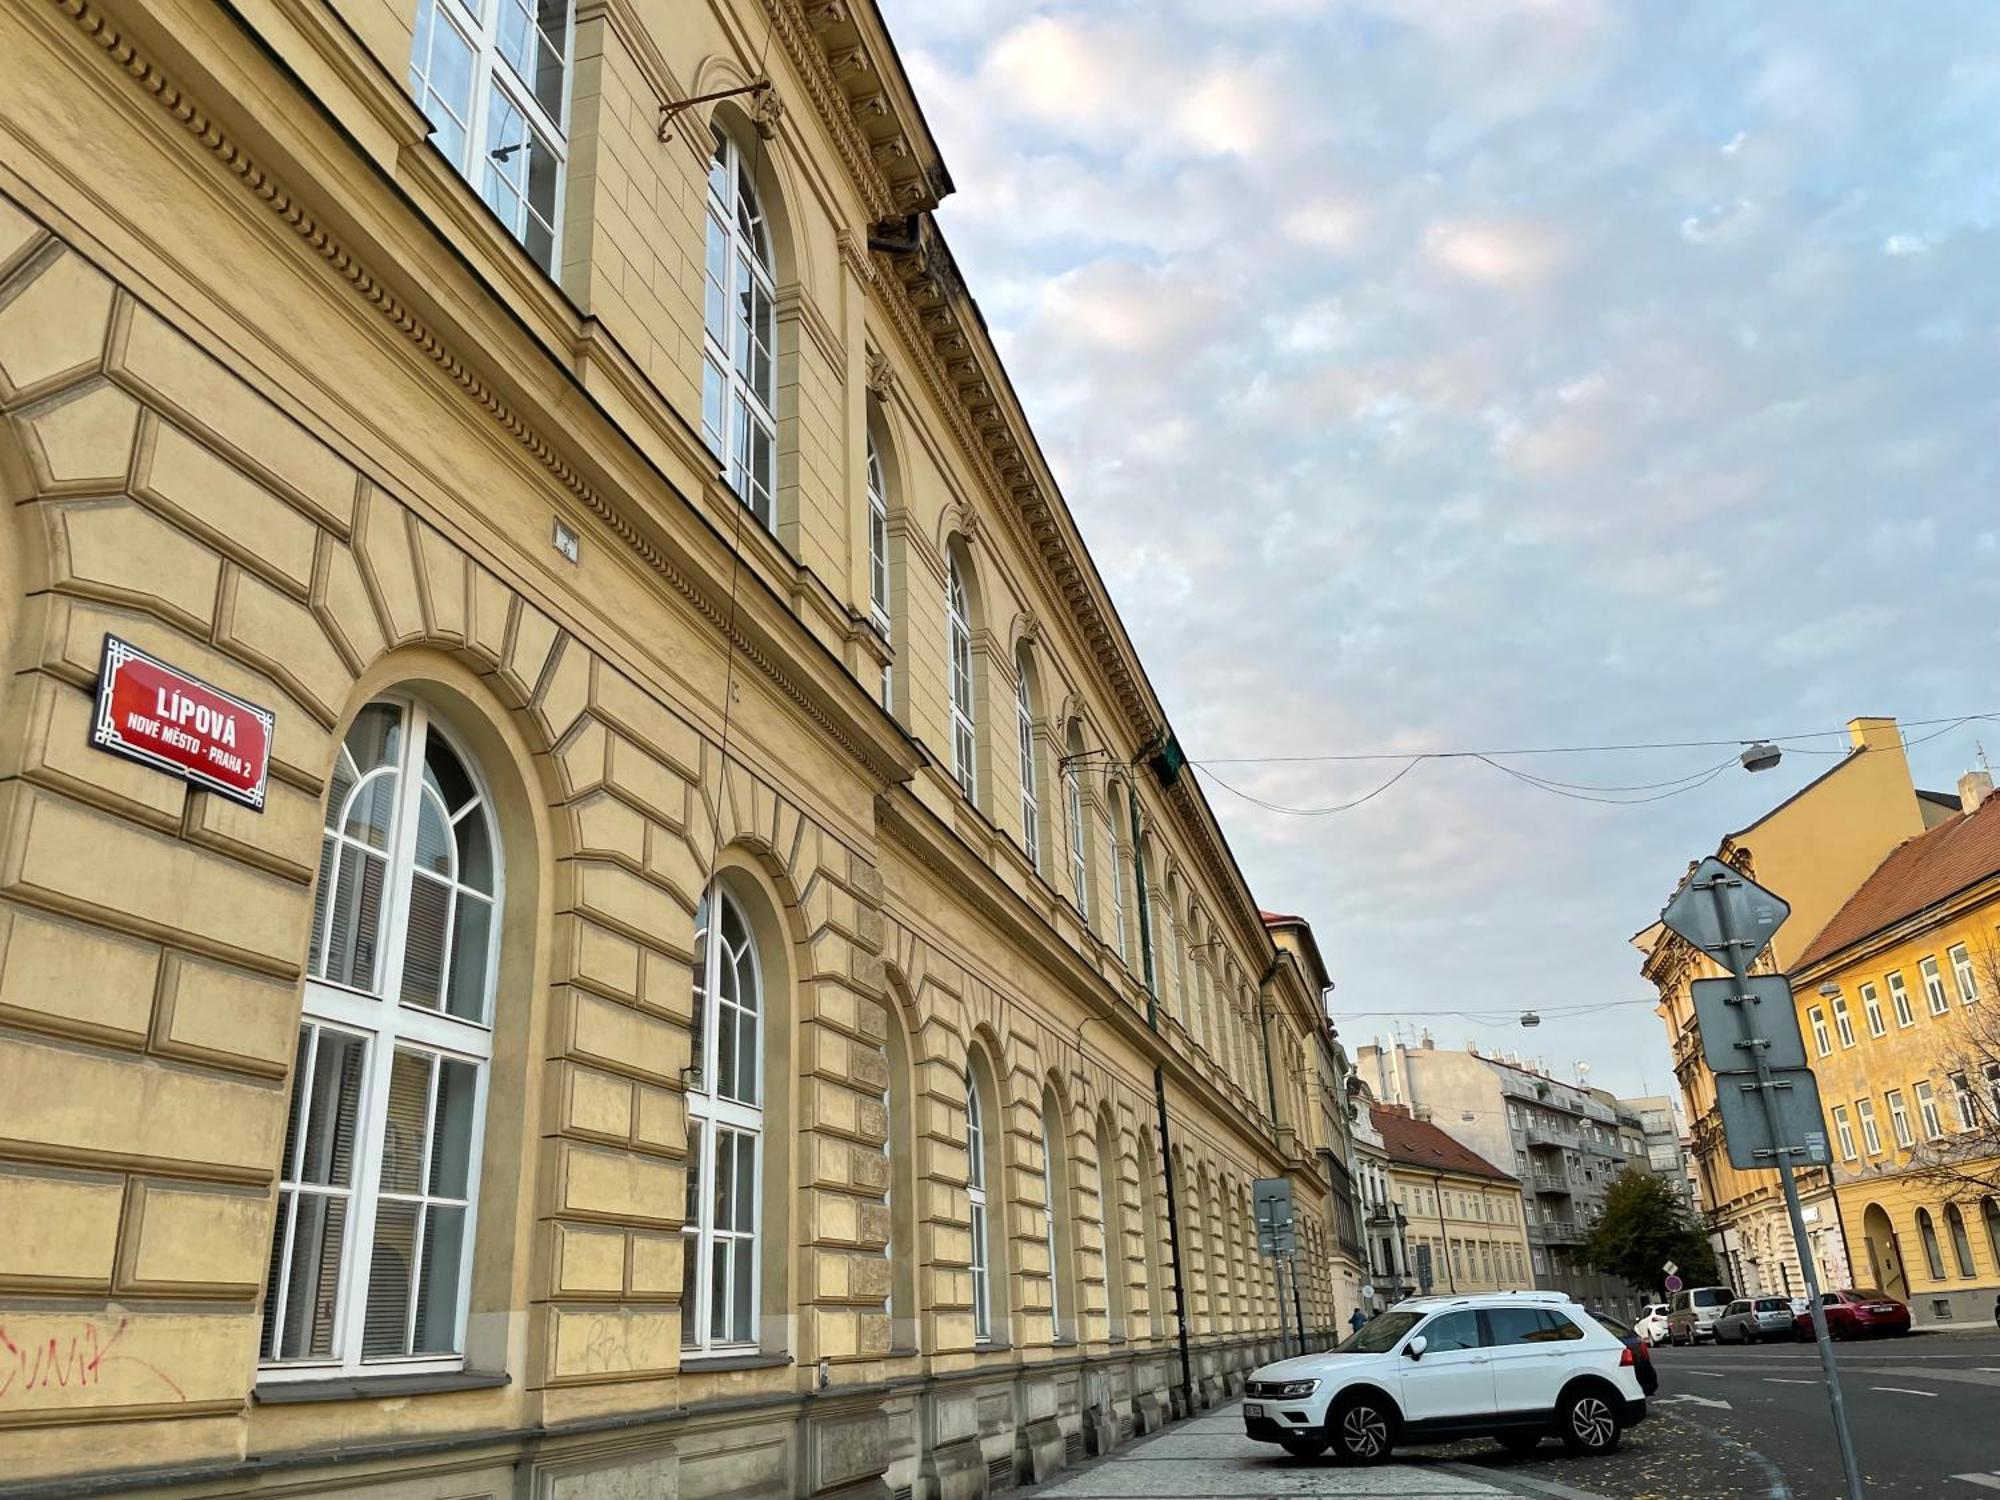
column 1874, row 734
column 1429, row 1045
column 1974, row 787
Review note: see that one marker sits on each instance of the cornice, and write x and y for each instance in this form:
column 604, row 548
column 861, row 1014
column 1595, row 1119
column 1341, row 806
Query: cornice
column 293, row 213
column 1940, row 913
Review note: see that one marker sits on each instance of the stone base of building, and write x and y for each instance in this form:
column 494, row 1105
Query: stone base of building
column 1963, row 1308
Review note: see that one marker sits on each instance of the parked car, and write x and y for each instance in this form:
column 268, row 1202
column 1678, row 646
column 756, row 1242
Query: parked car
column 1652, row 1324
column 1852, row 1313
column 1516, row 1366
column 1751, row 1320
column 1695, row 1310
column 1630, row 1337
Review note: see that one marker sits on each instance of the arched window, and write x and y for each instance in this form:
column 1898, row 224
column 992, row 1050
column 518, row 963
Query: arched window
column 1933, row 1255
column 1961, row 1243
column 900, row 1195
column 1151, row 1232
column 1024, row 729
column 1052, row 1197
column 1114, row 795
column 1111, row 1219
column 1147, row 877
column 878, row 563
column 502, row 81
column 964, row 742
column 1989, row 1214
column 739, row 394
column 725, row 1107
column 372, row 1251
column 977, row 1149
column 1079, row 832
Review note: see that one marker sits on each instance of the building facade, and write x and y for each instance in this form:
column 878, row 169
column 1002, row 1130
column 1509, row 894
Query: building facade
column 1461, row 1216
column 1390, row 1271
column 1814, row 849
column 716, row 992
column 1562, row 1142
column 1662, row 1133
column 1897, row 999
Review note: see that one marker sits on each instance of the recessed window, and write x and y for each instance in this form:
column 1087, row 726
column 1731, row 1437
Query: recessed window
column 739, row 394
column 1822, row 1044
column 1962, row 974
column 1900, row 998
column 1864, row 1110
column 1899, row 1119
column 1079, row 845
column 1927, row 1111
column 958, row 621
column 878, row 563
column 1844, row 1132
column 975, row 1191
column 1871, row 1006
column 1031, row 802
column 1843, row 1021
column 1934, row 999
column 377, row 1189
column 492, row 77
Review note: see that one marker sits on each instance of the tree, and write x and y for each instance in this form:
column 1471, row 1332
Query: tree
column 1645, row 1224
column 1964, row 1163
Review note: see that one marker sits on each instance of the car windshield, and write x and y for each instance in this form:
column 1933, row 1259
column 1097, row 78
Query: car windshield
column 1869, row 1294
column 1713, row 1296
column 1380, row 1334
column 1774, row 1304
column 1622, row 1330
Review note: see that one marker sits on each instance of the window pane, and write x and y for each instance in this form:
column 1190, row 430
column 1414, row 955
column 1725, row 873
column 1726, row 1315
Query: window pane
column 745, row 1089
column 745, row 1283
column 1459, row 1330
column 332, row 1111
column 690, row 1279
column 718, row 1294
column 451, row 1127
column 314, row 1281
column 746, row 1184
column 712, row 388
column 436, row 849
column 475, row 852
column 384, row 1327
column 531, row 39
column 445, row 774
column 423, row 942
column 406, row 1123
column 437, row 1285
column 354, row 919
column 715, row 275
column 370, row 811
column 724, row 1082
column 469, row 944
column 725, row 1177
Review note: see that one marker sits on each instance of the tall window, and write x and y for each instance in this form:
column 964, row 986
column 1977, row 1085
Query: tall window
column 492, row 76
column 1864, row 1110
column 1111, row 1214
column 1117, row 877
column 1927, row 1111
column 1024, row 728
column 878, row 563
column 1933, row 986
column 958, row 621
column 1900, row 998
column 1899, row 1118
column 975, row 1192
column 1079, row 846
column 1933, row 1255
column 1961, row 971
column 1822, row 1044
column 1962, row 1098
column 719, row 1292
column 1871, row 1006
column 1961, row 1243
column 739, row 331
column 1051, row 1143
column 1843, row 1020
column 370, row 1258
column 1844, row 1132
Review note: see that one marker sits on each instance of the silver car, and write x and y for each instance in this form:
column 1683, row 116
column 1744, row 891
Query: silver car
column 1750, row 1320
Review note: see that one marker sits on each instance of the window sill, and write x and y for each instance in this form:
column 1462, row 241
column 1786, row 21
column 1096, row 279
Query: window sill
column 374, row 1387
column 700, row 1364
column 910, row 1353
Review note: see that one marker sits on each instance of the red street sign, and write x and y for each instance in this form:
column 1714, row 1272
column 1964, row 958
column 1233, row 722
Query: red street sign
column 156, row 714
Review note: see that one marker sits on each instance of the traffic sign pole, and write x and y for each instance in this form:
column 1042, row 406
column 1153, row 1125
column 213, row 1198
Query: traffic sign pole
column 1738, row 952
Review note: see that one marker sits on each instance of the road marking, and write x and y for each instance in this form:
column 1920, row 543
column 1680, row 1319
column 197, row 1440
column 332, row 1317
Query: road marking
column 1697, row 1400
column 1902, row 1390
column 1783, row 1380
column 1718, row 1374
column 1991, row 1481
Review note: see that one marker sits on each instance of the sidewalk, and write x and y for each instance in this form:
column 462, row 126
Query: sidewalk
column 1209, row 1458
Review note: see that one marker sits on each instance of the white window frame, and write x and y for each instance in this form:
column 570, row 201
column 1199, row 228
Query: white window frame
column 709, row 1114
column 1843, row 1021
column 1934, row 997
column 1844, row 1132
column 477, row 25
column 1964, row 974
column 385, row 1024
column 1031, row 802
column 1965, row 1101
column 979, row 1224
column 1927, row 1111
column 1899, row 1119
column 958, row 641
column 1899, row 996
column 1871, row 1006
column 1118, row 893
column 878, row 565
column 1992, row 1073
column 1822, row 1042
column 1079, row 858
column 1871, row 1136
column 1049, row 1229
column 749, row 266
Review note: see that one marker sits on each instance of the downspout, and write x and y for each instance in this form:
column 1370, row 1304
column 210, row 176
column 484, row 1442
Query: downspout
column 1444, row 1234
column 1160, row 1102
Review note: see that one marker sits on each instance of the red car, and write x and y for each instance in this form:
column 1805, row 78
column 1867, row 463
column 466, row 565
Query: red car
column 1853, row 1314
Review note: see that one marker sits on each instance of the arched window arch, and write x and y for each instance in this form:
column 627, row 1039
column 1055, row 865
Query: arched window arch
column 983, row 1174
column 739, row 391
column 1074, row 815
column 1031, row 782
column 878, row 565
column 1933, row 1254
column 379, row 1183
column 899, row 1196
column 720, row 1281
column 963, row 704
column 1111, row 1220
column 1989, row 1214
column 1056, row 1207
column 1961, row 1243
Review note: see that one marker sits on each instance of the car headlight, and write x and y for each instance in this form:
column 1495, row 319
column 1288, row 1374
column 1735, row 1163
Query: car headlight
column 1296, row 1388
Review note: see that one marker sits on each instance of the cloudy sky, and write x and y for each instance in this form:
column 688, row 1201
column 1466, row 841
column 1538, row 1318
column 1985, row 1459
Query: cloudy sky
column 1498, row 374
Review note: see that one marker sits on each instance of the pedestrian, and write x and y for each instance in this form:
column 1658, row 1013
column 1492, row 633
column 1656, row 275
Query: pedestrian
column 1357, row 1319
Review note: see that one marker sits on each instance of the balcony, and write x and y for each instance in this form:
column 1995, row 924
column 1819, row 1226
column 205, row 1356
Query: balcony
column 1545, row 1181
column 1559, row 1231
column 1548, row 1139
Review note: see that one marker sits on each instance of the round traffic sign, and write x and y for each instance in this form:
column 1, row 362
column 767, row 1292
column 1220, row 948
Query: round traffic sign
column 1674, row 1283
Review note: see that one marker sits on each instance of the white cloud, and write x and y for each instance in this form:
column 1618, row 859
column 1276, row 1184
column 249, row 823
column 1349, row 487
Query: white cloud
column 1495, row 252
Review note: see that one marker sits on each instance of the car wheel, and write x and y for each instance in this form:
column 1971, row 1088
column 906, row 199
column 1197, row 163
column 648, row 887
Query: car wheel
column 1753, row 1335
column 1362, row 1428
column 1589, row 1421
column 1304, row 1447
column 1518, row 1442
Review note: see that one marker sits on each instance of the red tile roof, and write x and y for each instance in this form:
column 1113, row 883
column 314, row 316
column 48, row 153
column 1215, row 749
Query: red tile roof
column 1920, row 872
column 1418, row 1143
column 1278, row 918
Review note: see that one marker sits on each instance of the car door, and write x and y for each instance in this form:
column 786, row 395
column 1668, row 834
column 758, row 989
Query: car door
column 1729, row 1327
column 1454, row 1378
column 1529, row 1349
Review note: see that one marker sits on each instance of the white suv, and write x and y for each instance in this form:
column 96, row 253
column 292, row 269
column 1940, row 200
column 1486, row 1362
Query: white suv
column 1516, row 1366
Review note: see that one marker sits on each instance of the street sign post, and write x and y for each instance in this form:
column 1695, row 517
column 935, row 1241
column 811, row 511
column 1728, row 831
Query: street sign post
column 1271, row 1206
column 1731, row 918
column 1766, row 1000
column 1674, row 1283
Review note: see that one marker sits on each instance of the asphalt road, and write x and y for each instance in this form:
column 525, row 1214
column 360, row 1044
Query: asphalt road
column 1752, row 1421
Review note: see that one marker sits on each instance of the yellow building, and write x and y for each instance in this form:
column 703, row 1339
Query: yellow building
column 1460, row 1214
column 1896, row 995
column 1814, row 849
column 648, row 953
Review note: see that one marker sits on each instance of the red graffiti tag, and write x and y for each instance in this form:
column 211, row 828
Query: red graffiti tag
column 77, row 1359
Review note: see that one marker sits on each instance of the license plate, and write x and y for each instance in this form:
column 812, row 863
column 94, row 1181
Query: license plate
column 1252, row 1409
column 1879, row 1307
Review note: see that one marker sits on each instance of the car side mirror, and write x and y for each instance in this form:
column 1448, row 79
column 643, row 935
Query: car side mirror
column 1416, row 1346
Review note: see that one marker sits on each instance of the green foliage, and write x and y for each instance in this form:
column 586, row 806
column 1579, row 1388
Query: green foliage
column 1644, row 1225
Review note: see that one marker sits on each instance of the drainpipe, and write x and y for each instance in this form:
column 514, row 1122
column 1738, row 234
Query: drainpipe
column 1160, row 1103
column 1444, row 1233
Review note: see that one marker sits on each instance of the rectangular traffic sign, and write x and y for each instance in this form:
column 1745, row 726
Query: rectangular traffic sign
column 1271, row 1200
column 1732, row 1011
column 1800, row 1125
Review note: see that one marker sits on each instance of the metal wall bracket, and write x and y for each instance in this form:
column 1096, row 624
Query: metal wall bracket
column 764, row 113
